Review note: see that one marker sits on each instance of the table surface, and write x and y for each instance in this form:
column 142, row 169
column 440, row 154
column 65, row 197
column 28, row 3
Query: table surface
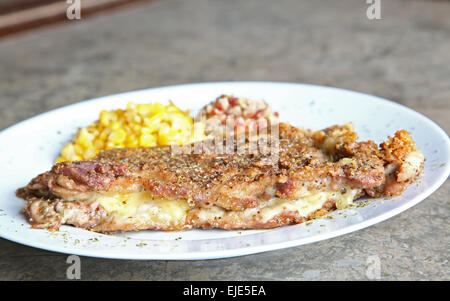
column 403, row 57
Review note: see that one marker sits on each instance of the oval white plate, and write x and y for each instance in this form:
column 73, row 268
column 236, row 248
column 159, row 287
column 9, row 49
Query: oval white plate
column 30, row 147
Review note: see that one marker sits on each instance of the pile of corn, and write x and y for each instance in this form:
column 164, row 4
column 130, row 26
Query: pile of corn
column 139, row 125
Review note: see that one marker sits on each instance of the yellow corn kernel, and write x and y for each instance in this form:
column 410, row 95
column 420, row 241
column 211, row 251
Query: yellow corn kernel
column 93, row 130
column 147, row 140
column 79, row 150
column 119, row 113
column 178, row 121
column 135, row 128
column 163, row 134
column 115, row 125
column 164, row 129
column 68, row 151
column 99, row 144
column 146, row 110
column 143, row 109
column 146, row 130
column 154, row 121
column 84, row 138
column 163, row 140
column 109, row 145
column 107, row 117
column 117, row 136
column 132, row 143
column 132, row 117
column 89, row 153
column 77, row 158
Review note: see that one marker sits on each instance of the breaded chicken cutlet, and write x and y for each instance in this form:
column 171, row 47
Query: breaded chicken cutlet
column 311, row 174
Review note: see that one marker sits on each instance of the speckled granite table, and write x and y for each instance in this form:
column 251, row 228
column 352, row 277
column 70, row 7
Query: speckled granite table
column 404, row 57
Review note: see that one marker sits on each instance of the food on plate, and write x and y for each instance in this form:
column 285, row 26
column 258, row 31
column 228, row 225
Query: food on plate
column 244, row 114
column 139, row 125
column 311, row 174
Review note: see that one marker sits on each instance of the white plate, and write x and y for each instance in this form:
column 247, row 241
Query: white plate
column 30, row 147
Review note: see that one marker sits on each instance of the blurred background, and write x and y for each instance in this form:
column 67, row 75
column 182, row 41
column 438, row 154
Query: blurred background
column 57, row 52
column 21, row 15
column 120, row 45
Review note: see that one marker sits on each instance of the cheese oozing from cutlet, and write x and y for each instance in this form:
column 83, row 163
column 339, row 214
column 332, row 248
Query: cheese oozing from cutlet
column 142, row 208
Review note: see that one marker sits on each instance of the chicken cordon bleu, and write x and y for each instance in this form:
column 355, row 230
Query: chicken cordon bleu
column 311, row 174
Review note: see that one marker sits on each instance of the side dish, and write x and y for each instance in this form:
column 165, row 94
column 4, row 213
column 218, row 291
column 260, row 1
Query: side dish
column 243, row 114
column 139, row 125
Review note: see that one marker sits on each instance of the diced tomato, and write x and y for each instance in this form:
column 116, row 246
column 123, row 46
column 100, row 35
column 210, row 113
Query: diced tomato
column 232, row 101
column 257, row 114
column 215, row 111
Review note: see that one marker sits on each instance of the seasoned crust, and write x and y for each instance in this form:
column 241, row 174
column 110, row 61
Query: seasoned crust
column 231, row 181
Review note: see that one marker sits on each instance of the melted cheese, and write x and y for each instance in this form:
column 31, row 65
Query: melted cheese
column 344, row 200
column 308, row 204
column 142, row 208
column 267, row 210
